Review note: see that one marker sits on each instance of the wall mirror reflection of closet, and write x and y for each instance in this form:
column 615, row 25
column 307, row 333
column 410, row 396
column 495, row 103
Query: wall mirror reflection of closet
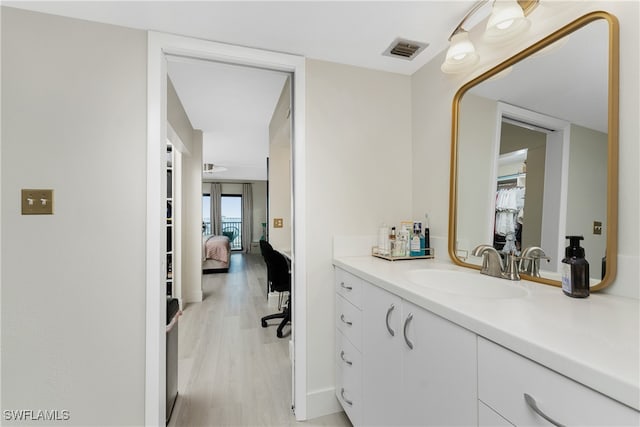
column 520, row 183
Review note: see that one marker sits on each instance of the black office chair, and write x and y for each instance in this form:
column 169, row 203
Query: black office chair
column 278, row 265
column 265, row 250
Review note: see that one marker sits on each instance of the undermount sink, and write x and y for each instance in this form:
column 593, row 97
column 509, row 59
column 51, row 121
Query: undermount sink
column 466, row 284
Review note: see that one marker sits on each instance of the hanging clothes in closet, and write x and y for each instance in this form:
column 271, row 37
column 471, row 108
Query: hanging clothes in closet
column 509, row 217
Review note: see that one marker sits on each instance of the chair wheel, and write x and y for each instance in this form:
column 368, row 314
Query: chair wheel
column 264, row 323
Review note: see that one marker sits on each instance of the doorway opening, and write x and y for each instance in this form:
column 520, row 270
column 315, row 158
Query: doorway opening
column 534, row 149
column 160, row 47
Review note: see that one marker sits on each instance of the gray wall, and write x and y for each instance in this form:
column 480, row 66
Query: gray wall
column 73, row 284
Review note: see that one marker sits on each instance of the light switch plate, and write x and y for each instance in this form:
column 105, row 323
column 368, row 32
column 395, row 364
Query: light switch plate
column 597, row 227
column 37, row 202
column 278, row 223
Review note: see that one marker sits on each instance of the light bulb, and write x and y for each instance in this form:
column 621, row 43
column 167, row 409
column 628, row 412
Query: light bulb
column 461, row 55
column 506, row 21
column 504, row 25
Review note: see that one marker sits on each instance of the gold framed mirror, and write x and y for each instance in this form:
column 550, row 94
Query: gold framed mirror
column 541, row 128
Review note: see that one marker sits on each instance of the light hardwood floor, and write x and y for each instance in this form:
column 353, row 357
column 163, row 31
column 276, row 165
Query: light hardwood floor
column 231, row 371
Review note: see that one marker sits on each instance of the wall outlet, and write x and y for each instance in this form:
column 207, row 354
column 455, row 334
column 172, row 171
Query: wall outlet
column 278, row 223
column 37, row 202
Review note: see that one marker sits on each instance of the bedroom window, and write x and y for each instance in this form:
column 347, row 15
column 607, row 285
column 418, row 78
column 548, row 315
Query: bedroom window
column 231, row 210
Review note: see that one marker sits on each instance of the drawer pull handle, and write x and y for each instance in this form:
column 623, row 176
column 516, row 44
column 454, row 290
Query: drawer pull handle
column 391, row 331
column 406, row 326
column 533, row 405
column 349, row 288
column 344, row 321
column 348, row 362
column 347, row 401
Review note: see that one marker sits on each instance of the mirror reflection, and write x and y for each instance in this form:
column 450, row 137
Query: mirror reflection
column 532, row 155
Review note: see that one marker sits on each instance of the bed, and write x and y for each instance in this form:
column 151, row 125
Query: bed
column 216, row 251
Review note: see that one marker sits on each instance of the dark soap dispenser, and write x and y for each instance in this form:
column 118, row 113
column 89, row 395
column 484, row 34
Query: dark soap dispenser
column 575, row 270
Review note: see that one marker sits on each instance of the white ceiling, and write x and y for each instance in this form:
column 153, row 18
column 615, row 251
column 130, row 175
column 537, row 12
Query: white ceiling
column 568, row 81
column 233, row 105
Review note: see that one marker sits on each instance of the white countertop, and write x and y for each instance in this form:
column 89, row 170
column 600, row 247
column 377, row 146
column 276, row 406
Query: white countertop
column 595, row 340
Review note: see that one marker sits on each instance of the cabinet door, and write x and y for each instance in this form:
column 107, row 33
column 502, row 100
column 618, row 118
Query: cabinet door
column 349, row 378
column 439, row 371
column 382, row 357
column 487, row 417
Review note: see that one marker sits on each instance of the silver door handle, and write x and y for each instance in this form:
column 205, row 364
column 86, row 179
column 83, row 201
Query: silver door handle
column 348, row 362
column 349, row 288
column 533, row 405
column 391, row 331
column 347, row 401
column 344, row 321
column 406, row 326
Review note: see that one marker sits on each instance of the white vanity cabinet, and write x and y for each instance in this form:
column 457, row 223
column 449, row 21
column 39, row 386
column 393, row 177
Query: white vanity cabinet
column 416, row 368
column 409, row 366
column 348, row 354
column 505, row 377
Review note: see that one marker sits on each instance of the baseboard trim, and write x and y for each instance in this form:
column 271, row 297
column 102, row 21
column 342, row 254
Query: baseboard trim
column 322, row 402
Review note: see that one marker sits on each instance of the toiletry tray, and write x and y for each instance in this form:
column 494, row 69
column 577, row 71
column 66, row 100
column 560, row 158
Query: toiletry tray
column 430, row 255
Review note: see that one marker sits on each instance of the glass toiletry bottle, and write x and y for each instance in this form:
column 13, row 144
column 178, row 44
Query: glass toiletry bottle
column 383, row 240
column 403, row 237
column 393, row 243
column 417, row 239
column 575, row 270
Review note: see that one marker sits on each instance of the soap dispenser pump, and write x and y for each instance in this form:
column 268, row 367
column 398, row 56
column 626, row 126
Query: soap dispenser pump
column 575, row 270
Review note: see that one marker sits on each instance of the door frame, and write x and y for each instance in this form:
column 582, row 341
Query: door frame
column 159, row 45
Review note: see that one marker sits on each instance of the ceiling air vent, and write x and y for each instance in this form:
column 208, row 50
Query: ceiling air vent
column 405, row 49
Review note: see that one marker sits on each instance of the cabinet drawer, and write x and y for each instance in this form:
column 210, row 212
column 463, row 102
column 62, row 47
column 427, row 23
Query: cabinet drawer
column 349, row 321
column 349, row 287
column 349, row 378
column 504, row 377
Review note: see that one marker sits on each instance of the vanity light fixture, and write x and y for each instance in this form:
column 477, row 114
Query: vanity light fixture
column 507, row 21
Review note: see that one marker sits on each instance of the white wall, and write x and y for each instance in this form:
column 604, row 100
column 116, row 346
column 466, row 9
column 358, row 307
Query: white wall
column 188, row 221
column 587, row 193
column 192, row 220
column 259, row 189
column 73, row 283
column 432, row 102
column 476, row 133
column 280, row 171
column 358, row 148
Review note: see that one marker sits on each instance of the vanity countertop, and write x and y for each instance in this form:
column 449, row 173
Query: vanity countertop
column 595, row 341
